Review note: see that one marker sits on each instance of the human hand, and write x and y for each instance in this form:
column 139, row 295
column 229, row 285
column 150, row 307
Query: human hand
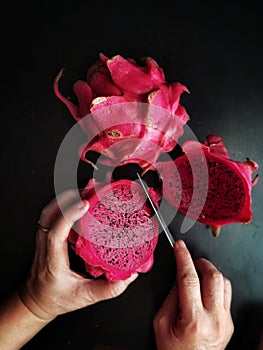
column 196, row 313
column 52, row 288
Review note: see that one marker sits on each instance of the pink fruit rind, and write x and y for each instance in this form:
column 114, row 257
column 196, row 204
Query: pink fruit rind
column 228, row 198
column 168, row 97
column 118, row 81
column 150, row 128
column 95, row 239
column 132, row 142
column 133, row 79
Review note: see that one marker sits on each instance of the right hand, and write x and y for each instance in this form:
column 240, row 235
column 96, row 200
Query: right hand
column 196, row 313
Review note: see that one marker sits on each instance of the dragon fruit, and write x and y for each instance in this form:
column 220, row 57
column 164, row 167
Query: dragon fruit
column 216, row 194
column 130, row 109
column 118, row 234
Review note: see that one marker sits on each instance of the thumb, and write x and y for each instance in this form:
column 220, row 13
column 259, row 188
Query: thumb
column 60, row 229
column 57, row 248
column 103, row 290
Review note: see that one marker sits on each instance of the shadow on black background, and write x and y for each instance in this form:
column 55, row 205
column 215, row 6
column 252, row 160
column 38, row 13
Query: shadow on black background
column 249, row 328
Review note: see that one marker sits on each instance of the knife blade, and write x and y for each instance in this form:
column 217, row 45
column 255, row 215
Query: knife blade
column 158, row 214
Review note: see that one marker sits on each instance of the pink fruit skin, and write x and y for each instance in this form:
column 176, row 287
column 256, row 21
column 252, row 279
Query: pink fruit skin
column 92, row 247
column 114, row 81
column 228, row 197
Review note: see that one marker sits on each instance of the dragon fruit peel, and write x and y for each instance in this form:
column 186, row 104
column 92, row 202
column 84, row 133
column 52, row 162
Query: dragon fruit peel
column 114, row 83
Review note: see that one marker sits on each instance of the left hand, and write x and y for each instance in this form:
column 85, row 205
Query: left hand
column 52, row 288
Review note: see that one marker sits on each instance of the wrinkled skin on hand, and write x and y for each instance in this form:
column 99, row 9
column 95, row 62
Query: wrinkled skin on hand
column 196, row 313
column 52, row 288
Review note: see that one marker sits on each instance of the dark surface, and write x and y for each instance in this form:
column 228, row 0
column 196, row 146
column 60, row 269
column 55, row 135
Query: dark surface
column 216, row 51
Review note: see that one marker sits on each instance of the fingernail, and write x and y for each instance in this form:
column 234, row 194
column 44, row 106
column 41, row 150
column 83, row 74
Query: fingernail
column 180, row 244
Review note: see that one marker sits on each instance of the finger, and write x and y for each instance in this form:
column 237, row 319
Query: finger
column 227, row 293
column 47, row 217
column 167, row 314
column 61, row 227
column 58, row 204
column 57, row 237
column 212, row 284
column 189, row 296
column 99, row 290
column 49, row 214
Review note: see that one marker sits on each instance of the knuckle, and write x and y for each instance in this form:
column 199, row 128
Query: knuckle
column 218, row 328
column 186, row 257
column 231, row 327
column 215, row 275
column 159, row 321
column 156, row 321
column 189, row 280
column 223, row 329
column 117, row 289
column 193, row 327
column 44, row 213
column 91, row 294
column 227, row 282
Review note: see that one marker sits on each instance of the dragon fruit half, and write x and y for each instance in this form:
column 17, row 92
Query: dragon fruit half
column 208, row 186
column 118, row 234
column 130, row 114
column 125, row 109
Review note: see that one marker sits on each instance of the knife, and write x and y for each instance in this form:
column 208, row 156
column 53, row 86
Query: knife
column 158, row 214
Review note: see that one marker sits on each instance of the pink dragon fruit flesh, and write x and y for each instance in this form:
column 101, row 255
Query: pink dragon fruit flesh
column 127, row 101
column 225, row 189
column 118, row 234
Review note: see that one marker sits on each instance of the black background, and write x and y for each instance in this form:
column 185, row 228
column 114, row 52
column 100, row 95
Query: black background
column 216, row 51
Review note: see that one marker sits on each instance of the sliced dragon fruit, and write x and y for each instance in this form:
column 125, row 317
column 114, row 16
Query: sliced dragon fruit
column 208, row 186
column 118, row 234
column 136, row 91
